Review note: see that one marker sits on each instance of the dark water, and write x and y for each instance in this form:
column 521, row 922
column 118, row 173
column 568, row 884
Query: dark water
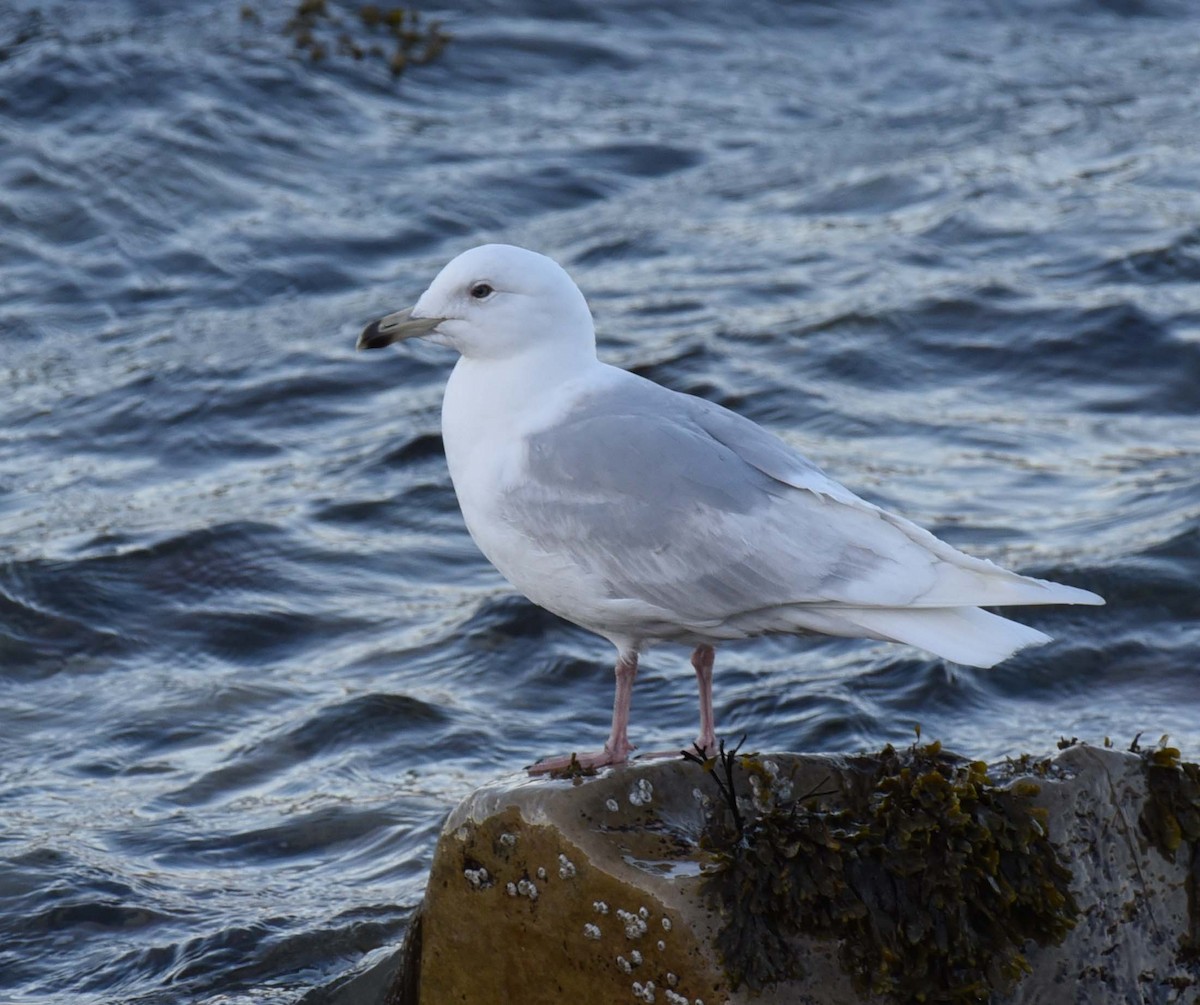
column 248, row 654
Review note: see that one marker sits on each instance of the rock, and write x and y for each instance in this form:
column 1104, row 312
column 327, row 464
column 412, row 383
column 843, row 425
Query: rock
column 608, row 888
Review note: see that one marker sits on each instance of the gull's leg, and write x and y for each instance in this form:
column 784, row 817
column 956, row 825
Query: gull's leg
column 617, row 748
column 702, row 663
column 618, row 744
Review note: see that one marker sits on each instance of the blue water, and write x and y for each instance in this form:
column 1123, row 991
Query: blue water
column 248, row 655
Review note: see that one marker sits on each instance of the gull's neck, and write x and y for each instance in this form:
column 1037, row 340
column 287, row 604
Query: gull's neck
column 491, row 405
column 517, row 388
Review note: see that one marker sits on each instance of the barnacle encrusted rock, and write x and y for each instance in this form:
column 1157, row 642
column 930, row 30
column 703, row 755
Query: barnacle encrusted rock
column 910, row 875
column 561, row 891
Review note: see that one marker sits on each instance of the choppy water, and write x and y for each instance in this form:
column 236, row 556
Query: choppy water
column 248, row 654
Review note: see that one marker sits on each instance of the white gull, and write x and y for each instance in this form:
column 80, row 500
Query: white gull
column 646, row 515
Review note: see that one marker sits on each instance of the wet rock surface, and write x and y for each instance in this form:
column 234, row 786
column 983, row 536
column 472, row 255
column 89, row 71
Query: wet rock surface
column 602, row 888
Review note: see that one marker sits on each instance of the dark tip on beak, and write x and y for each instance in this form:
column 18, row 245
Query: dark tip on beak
column 373, row 338
column 395, row 328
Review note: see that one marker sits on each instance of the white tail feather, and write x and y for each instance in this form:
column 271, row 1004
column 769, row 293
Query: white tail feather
column 965, row 635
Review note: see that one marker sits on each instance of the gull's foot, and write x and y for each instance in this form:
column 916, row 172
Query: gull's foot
column 570, row 765
column 697, row 749
column 654, row 755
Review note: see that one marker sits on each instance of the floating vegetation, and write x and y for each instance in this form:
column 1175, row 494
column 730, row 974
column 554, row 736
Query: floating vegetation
column 932, row 877
column 1170, row 820
column 397, row 36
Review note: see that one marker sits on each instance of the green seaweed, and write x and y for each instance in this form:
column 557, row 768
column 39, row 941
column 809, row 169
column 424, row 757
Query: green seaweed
column 1027, row 764
column 932, row 877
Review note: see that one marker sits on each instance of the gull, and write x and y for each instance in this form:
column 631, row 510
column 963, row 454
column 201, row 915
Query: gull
column 646, row 515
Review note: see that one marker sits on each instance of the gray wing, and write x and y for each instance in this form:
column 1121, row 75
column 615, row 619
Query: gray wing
column 678, row 503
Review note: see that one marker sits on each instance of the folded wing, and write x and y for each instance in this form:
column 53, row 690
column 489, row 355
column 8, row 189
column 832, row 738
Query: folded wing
column 711, row 523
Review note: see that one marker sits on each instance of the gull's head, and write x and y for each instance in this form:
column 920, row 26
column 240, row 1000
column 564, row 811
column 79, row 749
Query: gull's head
column 493, row 302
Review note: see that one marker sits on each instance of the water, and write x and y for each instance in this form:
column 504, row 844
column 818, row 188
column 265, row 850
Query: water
column 248, row 655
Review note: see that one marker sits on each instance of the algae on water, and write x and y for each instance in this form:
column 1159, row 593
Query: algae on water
column 398, row 36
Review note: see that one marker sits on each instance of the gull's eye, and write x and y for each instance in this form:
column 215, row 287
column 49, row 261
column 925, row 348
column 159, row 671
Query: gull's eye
column 481, row 291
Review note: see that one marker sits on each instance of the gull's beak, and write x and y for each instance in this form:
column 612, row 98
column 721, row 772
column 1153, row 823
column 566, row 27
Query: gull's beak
column 395, row 328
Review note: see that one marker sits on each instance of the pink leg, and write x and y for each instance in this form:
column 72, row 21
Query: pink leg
column 618, row 738
column 702, row 663
column 617, row 748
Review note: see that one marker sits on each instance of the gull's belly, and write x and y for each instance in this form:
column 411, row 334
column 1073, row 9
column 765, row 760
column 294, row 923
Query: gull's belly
column 550, row 580
column 554, row 579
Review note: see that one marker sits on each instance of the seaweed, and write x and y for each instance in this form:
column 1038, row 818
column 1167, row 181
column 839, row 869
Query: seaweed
column 397, row 35
column 1170, row 821
column 574, row 770
column 932, row 878
column 724, row 780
